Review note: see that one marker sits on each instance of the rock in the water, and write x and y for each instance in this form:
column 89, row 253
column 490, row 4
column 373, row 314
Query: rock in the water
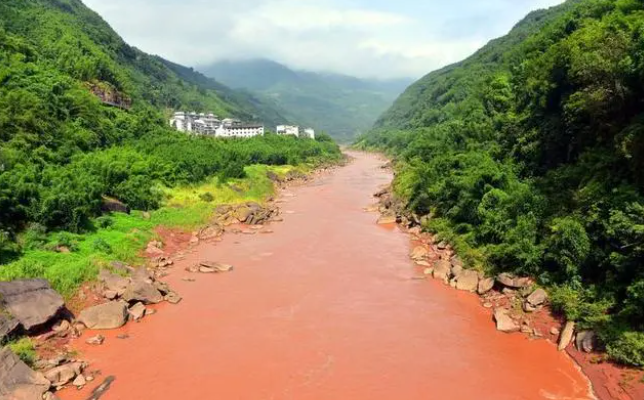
column 32, row 302
column 422, row 263
column 173, row 298
column 111, row 315
column 18, row 381
column 162, row 287
column 50, row 396
column 513, row 282
column 485, row 285
column 62, row 375
column 419, row 253
column 537, row 298
column 566, row 335
column 586, row 341
column 137, row 311
column 96, row 340
column 80, row 381
column 213, row 267
column 442, row 270
column 387, row 220
column 468, row 280
column 504, row 322
column 142, row 291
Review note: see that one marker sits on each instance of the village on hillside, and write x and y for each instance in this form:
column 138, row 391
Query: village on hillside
column 211, row 125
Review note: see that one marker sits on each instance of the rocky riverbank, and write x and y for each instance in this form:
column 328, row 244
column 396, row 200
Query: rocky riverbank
column 123, row 294
column 516, row 304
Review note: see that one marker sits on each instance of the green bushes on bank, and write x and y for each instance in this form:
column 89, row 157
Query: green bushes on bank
column 528, row 155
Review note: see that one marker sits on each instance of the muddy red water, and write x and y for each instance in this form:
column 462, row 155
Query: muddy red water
column 325, row 308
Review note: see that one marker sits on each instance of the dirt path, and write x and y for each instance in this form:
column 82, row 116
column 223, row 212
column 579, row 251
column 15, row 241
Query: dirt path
column 325, row 308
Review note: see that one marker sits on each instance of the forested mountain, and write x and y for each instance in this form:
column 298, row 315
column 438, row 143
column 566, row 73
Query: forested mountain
column 528, row 156
column 341, row 105
column 83, row 116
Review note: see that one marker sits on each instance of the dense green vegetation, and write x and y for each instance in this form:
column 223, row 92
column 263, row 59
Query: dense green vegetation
column 63, row 151
column 341, row 105
column 529, row 156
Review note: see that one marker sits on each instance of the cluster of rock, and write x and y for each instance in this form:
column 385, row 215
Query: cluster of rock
column 512, row 297
column 251, row 213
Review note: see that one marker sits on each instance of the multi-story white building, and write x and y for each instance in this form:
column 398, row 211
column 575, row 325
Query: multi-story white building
column 288, row 130
column 210, row 125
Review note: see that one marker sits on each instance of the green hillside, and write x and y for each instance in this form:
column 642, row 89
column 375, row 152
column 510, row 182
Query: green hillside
column 83, row 116
column 528, row 156
column 342, row 106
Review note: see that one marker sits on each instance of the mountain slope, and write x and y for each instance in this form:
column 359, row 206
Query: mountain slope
column 528, row 156
column 340, row 105
column 83, row 116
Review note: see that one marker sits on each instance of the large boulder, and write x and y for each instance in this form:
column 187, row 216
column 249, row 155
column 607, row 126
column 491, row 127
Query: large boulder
column 18, row 381
column 142, row 291
column 113, row 205
column 419, row 253
column 504, row 322
column 442, row 270
column 7, row 325
column 586, row 341
column 63, row 374
column 566, row 335
column 111, row 315
column 32, row 302
column 485, row 285
column 513, row 281
column 537, row 298
column 467, row 280
column 113, row 282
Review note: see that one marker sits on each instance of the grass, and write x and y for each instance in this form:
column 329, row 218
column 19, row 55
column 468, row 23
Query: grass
column 25, row 350
column 121, row 237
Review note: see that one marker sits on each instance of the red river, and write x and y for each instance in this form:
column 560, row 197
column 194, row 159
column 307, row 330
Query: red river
column 325, row 308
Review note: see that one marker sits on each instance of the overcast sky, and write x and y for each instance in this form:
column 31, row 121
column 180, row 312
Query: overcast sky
column 365, row 38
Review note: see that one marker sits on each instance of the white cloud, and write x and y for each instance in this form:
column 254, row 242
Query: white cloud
column 358, row 37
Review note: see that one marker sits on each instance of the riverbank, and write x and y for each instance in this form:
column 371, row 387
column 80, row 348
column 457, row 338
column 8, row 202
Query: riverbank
column 516, row 304
column 324, row 307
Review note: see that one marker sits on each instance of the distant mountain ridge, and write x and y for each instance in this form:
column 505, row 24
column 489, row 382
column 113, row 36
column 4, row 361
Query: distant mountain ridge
column 341, row 105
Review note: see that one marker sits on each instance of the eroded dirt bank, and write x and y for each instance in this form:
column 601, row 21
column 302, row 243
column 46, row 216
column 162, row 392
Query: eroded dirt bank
column 325, row 307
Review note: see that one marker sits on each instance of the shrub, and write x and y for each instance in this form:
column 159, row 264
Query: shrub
column 25, row 350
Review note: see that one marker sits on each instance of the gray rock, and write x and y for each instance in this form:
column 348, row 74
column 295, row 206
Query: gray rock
column 80, row 381
column 457, row 270
column 504, row 322
column 50, row 396
column 137, row 311
column 142, row 291
column 566, row 335
column 18, row 381
column 114, row 283
column 513, row 282
column 213, row 267
column 456, row 261
column 31, row 301
column 468, row 280
column 442, row 270
column 485, row 285
column 586, row 341
column 62, row 375
column 419, row 253
column 442, row 245
column 8, row 324
column 173, row 298
column 96, row 340
column 111, row 315
column 537, row 298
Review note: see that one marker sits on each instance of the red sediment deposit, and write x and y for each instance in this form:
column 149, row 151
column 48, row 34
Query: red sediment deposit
column 323, row 308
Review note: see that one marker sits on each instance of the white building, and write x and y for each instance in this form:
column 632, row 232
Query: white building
column 210, row 125
column 287, row 130
column 309, row 133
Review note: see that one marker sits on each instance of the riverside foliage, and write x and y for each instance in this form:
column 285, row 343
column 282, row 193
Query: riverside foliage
column 529, row 158
column 62, row 150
